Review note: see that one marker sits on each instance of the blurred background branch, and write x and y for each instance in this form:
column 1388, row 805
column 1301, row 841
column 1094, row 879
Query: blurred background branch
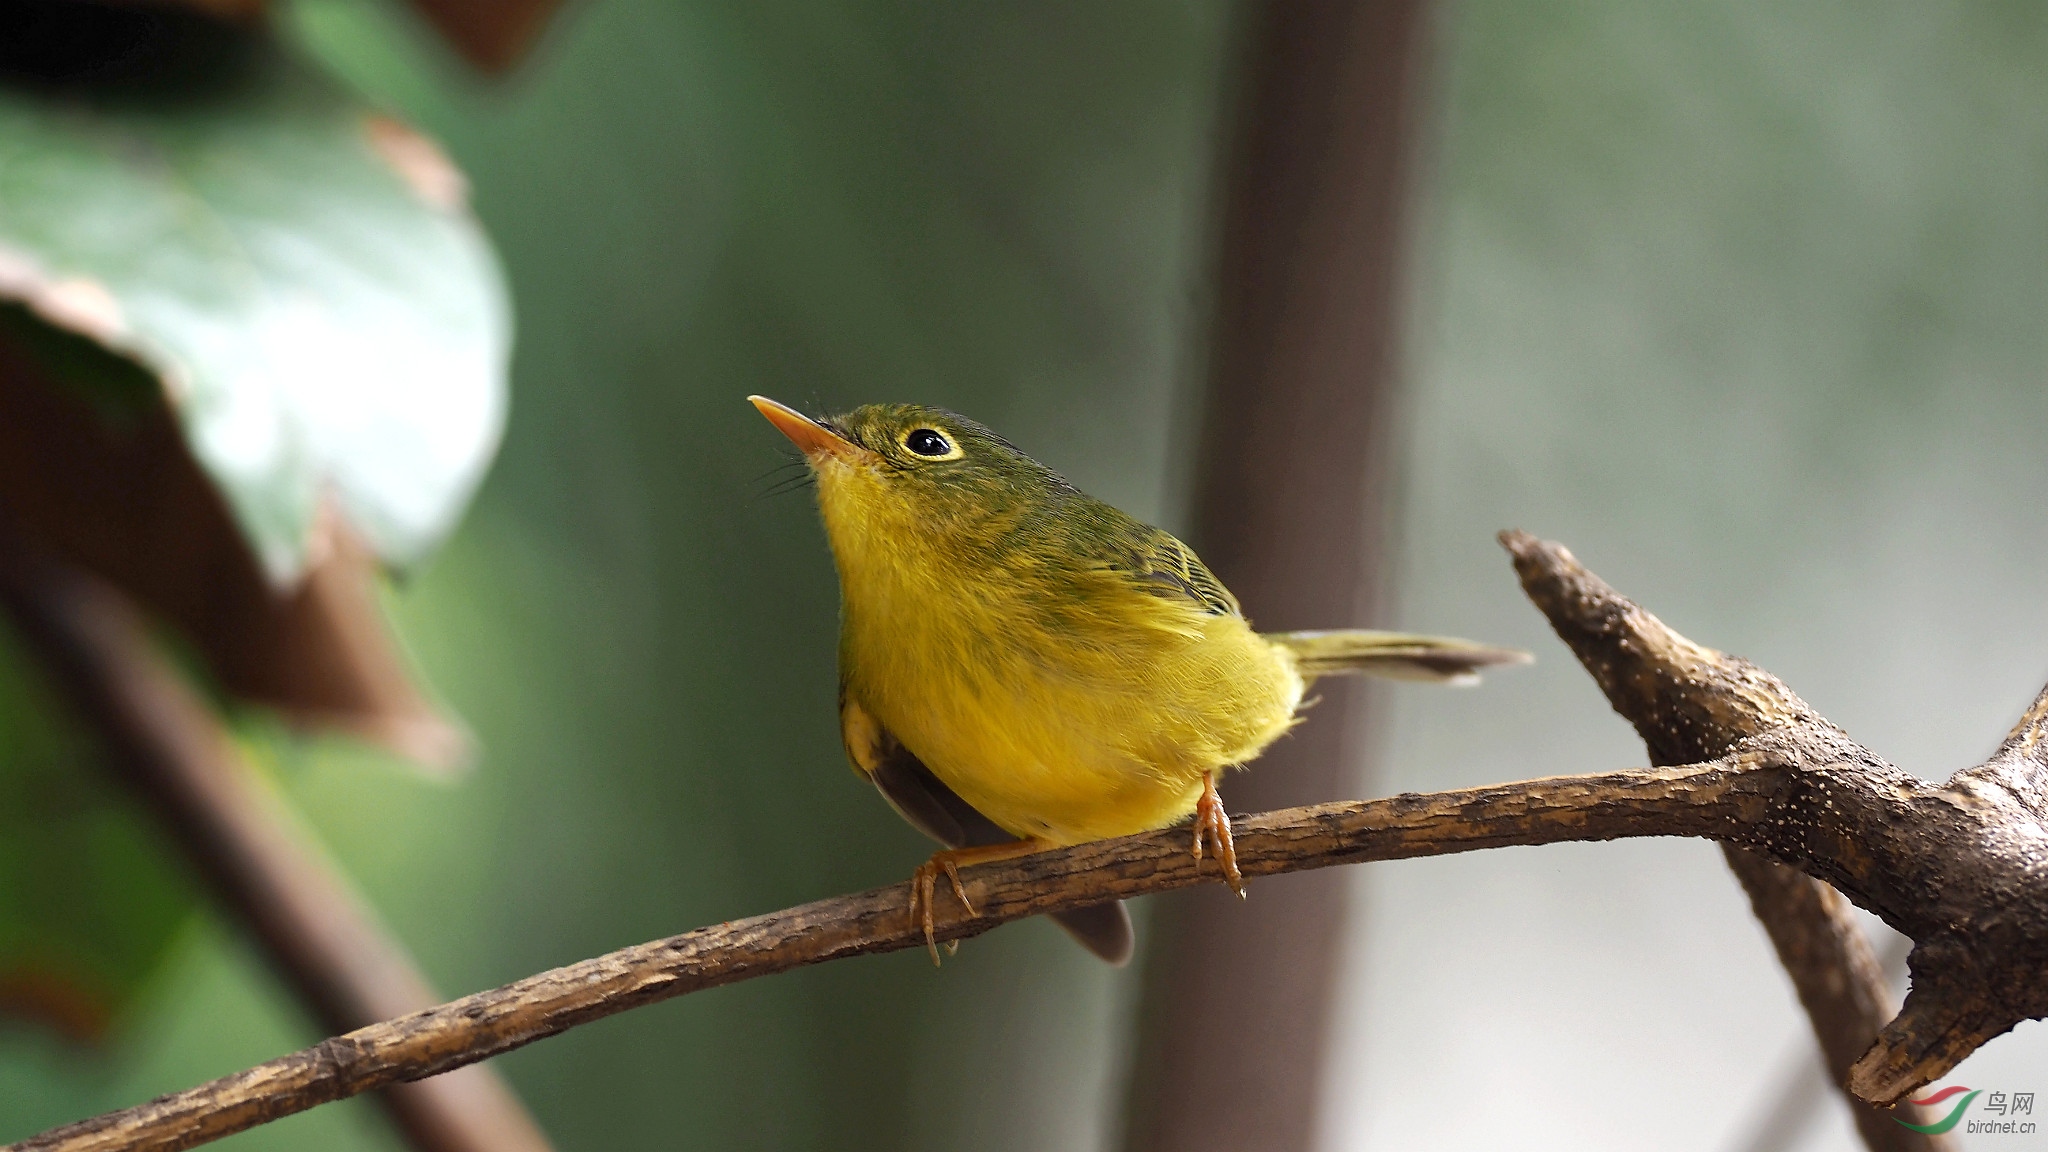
column 1290, row 509
column 247, row 845
column 1790, row 1112
column 1829, row 960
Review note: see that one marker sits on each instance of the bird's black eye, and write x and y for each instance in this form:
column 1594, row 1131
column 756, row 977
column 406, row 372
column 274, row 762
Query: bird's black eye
column 928, row 442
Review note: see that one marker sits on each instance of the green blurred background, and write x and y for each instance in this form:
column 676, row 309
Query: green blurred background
column 1746, row 305
column 1000, row 211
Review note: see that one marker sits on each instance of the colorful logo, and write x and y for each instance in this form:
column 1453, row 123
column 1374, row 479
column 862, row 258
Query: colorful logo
column 2004, row 1105
column 1949, row 1121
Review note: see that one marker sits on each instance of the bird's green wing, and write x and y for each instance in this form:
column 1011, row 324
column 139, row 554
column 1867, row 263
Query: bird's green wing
column 1163, row 566
column 1103, row 547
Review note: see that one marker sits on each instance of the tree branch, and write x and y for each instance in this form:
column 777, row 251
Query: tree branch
column 1957, row 867
column 1290, row 506
column 1685, row 801
column 245, row 841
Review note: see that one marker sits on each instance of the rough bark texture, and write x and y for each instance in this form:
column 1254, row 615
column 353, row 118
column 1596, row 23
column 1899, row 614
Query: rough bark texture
column 1958, row 867
column 244, row 839
column 1289, row 510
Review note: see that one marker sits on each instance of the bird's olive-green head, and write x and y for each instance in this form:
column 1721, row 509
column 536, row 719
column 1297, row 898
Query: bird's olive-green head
column 915, row 473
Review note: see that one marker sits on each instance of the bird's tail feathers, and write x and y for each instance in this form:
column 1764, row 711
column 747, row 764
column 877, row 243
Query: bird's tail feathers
column 1104, row 929
column 1394, row 655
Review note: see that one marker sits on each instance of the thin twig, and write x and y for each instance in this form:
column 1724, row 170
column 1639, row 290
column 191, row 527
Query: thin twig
column 247, row 843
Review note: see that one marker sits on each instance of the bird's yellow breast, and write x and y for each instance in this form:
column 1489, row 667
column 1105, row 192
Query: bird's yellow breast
column 1061, row 700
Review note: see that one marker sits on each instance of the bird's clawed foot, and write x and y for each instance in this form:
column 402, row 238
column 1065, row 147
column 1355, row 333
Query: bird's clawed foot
column 924, row 883
column 1213, row 823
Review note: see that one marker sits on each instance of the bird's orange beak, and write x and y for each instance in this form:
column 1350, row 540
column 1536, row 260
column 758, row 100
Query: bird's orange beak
column 807, row 434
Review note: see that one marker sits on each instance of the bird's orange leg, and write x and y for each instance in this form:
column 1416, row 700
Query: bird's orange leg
column 924, row 882
column 1212, row 822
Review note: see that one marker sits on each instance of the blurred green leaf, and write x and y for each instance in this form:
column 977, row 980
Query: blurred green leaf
column 87, row 907
column 300, row 273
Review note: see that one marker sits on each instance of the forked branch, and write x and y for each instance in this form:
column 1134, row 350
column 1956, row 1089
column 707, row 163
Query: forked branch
column 1958, row 867
column 1961, row 868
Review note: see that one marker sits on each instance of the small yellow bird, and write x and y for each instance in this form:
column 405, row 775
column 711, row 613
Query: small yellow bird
column 1023, row 666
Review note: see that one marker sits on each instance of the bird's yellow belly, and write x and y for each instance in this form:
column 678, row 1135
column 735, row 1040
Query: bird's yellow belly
column 1046, row 773
column 1073, row 743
